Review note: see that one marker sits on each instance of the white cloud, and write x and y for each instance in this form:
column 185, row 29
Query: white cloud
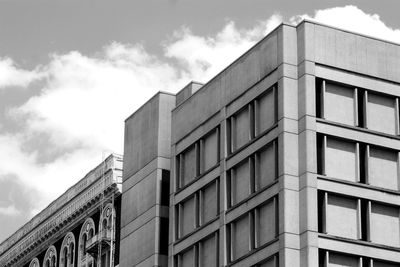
column 9, row 211
column 11, row 75
column 204, row 56
column 81, row 108
column 354, row 19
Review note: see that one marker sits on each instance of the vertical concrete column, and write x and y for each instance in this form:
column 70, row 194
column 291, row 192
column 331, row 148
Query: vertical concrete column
column 172, row 210
column 288, row 148
column 223, row 248
column 308, row 209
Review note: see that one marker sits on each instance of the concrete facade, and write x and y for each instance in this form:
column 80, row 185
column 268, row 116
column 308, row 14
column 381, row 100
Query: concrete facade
column 290, row 156
column 145, row 202
column 76, row 229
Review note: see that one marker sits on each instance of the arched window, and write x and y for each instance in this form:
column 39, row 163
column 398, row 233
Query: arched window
column 50, row 258
column 71, row 253
column 53, row 261
column 34, row 263
column 65, row 257
column 104, row 227
column 91, row 233
column 84, row 239
column 87, row 232
column 66, row 253
column 107, row 220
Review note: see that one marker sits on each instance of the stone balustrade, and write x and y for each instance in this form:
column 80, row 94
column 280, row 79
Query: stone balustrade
column 108, row 173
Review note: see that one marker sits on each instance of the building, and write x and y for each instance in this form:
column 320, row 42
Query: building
column 80, row 228
column 288, row 157
column 146, row 178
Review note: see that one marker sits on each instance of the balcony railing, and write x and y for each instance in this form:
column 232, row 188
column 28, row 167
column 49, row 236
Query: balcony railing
column 103, row 239
column 92, row 185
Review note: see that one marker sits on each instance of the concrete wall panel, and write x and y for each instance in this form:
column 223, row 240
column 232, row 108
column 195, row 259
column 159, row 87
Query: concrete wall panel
column 139, row 199
column 356, row 53
column 133, row 252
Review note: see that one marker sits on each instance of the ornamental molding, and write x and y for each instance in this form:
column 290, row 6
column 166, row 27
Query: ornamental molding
column 105, row 177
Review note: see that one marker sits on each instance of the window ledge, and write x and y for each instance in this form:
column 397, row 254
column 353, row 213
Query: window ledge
column 358, row 242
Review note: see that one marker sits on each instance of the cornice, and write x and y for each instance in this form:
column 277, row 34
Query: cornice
column 105, row 178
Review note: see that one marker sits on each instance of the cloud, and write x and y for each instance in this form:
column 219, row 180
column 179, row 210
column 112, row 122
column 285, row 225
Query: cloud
column 80, row 109
column 354, row 19
column 9, row 211
column 204, row 56
column 11, row 75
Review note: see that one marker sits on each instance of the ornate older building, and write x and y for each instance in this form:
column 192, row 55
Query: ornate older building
column 80, row 228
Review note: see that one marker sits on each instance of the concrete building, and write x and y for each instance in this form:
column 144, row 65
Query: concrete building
column 146, row 178
column 288, row 157
column 80, row 228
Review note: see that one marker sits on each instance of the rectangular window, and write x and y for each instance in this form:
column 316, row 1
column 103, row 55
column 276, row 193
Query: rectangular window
column 253, row 230
column 266, row 223
column 209, row 201
column 265, row 113
column 357, row 107
column 164, row 197
column 240, row 127
column 383, row 167
column 163, row 241
column 198, row 158
column 381, row 113
column 377, row 263
column 384, row 224
column 188, row 258
column 334, row 259
column 240, row 237
column 208, row 251
column 240, row 181
column 330, row 258
column 270, row 262
column 339, row 103
column 187, row 216
column 341, row 159
column 252, row 120
column 198, row 209
column 210, row 150
column 359, row 219
column 253, row 174
column 358, row 162
column 342, row 216
column 188, row 165
column 202, row 254
column 266, row 165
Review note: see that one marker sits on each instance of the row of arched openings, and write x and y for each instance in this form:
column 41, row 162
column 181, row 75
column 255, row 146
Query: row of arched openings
column 67, row 251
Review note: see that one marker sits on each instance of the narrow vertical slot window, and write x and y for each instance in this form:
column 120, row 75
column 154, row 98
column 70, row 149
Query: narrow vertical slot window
column 320, row 154
column 362, row 163
column 322, row 258
column 364, row 220
column 360, row 108
column 321, row 212
column 318, row 98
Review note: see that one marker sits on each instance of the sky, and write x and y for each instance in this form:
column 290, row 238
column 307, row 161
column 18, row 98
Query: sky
column 71, row 72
